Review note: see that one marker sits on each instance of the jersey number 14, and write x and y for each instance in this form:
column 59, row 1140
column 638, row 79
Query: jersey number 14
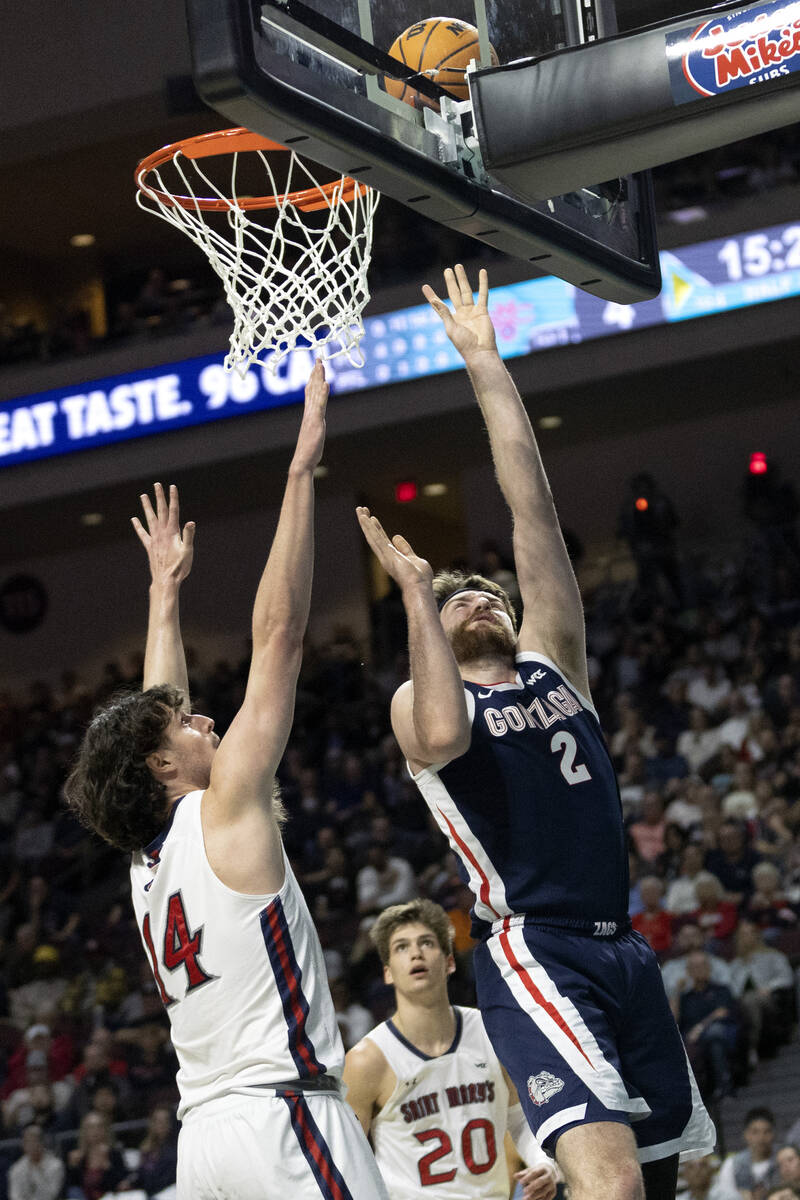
column 179, row 948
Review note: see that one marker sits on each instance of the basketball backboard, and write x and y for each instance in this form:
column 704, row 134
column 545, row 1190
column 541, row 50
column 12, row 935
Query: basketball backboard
column 311, row 75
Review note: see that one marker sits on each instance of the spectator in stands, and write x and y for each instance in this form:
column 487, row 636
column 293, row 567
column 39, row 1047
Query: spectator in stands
column 733, row 860
column 674, row 972
column 755, row 1166
column 740, row 802
column 158, row 1154
column 783, row 1191
column 700, row 742
column 384, row 880
column 681, row 898
column 96, row 1068
column 716, row 916
column 701, row 1176
column 96, row 1165
column 763, row 983
column 45, row 989
column 654, row 922
column 647, row 521
column 768, row 904
column 710, row 689
column 19, row 1108
column 353, row 1019
column 38, row 1174
column 706, row 1017
column 788, row 1159
column 665, row 763
column 647, row 833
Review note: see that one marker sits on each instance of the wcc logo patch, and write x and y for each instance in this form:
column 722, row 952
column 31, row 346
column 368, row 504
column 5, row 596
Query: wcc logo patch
column 543, row 1087
column 749, row 46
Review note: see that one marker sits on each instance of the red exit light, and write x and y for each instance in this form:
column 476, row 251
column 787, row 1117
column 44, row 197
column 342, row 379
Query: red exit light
column 405, row 491
column 641, row 504
column 758, row 463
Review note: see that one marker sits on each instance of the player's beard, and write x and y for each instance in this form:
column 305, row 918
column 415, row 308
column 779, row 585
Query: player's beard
column 486, row 639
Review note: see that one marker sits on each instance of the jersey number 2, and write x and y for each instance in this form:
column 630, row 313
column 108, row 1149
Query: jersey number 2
column 428, row 1178
column 565, row 744
column 181, row 948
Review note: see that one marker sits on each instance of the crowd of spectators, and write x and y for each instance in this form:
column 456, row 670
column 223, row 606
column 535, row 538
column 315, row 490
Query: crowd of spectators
column 701, row 705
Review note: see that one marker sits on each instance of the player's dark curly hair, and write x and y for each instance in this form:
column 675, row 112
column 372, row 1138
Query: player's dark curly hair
column 447, row 583
column 110, row 788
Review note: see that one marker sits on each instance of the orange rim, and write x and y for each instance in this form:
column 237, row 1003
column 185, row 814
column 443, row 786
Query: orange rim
column 234, row 141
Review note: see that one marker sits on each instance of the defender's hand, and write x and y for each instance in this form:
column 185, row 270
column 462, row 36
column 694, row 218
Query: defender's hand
column 469, row 325
column 169, row 551
column 538, row 1183
column 395, row 555
column 311, row 438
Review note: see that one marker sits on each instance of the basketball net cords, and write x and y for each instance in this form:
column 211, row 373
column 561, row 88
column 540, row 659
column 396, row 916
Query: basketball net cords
column 319, row 299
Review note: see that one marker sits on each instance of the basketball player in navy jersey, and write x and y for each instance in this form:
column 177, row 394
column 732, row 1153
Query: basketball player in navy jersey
column 230, row 940
column 503, row 741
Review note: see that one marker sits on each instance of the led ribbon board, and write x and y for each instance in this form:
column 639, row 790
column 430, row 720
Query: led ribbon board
column 700, row 280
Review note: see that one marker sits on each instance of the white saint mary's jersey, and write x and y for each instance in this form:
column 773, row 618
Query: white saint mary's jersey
column 444, row 1123
column 242, row 977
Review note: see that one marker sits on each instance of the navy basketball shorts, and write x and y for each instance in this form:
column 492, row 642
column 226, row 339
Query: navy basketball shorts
column 584, row 1029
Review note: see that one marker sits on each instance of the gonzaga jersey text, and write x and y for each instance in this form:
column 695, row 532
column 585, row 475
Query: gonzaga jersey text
column 242, row 977
column 443, row 1126
column 532, row 808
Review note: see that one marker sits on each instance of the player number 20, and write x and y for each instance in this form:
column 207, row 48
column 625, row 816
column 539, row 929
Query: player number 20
column 564, row 744
column 479, row 1155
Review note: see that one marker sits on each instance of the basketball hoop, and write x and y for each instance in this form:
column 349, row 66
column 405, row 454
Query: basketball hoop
column 301, row 276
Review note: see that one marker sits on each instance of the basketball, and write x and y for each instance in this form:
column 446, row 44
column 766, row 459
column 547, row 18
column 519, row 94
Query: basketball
column 442, row 48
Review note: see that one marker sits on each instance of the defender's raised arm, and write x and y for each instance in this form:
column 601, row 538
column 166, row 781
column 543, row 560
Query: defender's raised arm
column 170, row 552
column 244, row 768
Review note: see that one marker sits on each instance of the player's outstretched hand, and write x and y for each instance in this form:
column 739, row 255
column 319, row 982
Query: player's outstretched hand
column 395, row 555
column 311, row 438
column 169, row 551
column 469, row 325
column 538, row 1183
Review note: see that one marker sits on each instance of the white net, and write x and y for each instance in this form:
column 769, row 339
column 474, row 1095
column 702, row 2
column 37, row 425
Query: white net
column 292, row 275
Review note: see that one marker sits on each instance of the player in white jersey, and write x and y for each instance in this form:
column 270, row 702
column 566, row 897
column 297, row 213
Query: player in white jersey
column 228, row 934
column 427, row 1085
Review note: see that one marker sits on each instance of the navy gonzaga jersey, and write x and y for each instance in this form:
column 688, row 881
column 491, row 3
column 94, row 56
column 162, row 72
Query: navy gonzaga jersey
column 532, row 809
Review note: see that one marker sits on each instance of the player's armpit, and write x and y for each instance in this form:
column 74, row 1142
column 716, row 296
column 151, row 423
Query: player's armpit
column 364, row 1077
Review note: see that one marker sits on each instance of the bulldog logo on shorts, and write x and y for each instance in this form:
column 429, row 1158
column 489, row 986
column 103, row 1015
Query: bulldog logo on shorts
column 543, row 1087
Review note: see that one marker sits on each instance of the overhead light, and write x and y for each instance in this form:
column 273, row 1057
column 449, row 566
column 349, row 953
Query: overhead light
column 686, row 216
column 549, row 422
column 434, row 489
column 405, row 491
column 82, row 239
column 94, row 518
column 321, row 471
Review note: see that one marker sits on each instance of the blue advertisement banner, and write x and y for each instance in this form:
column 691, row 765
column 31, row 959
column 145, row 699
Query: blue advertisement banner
column 735, row 49
column 538, row 314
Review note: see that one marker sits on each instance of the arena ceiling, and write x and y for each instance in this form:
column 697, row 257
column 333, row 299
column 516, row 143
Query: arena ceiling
column 89, row 90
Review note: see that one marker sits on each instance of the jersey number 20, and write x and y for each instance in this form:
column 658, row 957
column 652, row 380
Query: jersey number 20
column 428, row 1177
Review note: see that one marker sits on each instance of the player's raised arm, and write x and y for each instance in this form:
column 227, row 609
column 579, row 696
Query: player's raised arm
column 244, row 766
column 553, row 619
column 429, row 713
column 169, row 552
